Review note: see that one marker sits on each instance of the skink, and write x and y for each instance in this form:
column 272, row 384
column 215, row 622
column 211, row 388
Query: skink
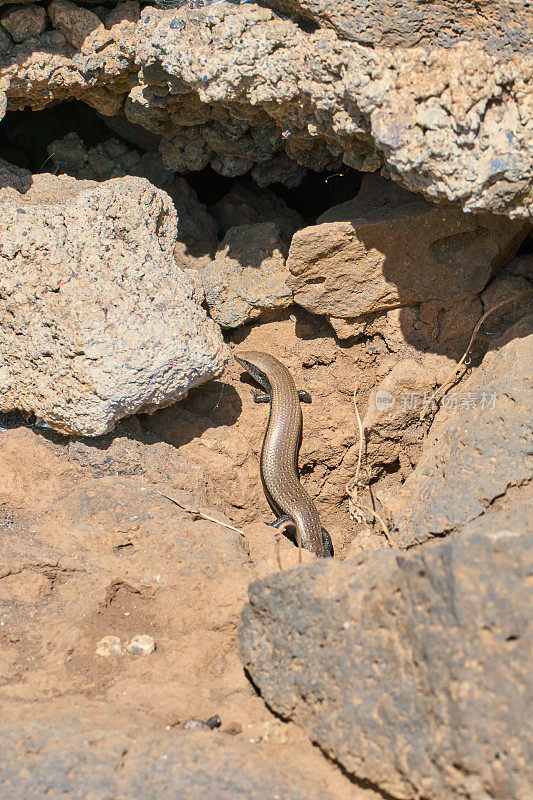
column 279, row 455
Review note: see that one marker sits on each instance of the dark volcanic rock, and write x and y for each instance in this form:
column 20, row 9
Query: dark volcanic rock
column 411, row 669
column 79, row 760
column 479, row 446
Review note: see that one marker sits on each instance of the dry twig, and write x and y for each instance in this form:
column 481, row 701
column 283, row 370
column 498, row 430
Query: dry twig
column 201, row 514
column 352, row 488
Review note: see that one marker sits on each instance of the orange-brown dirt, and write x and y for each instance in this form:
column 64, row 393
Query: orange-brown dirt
column 91, row 550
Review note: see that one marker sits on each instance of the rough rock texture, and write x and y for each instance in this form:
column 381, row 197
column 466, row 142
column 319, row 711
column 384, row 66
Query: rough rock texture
column 479, row 446
column 238, row 87
column 80, row 26
column 86, row 760
column 109, row 159
column 98, row 321
column 22, row 23
column 502, row 25
column 248, row 277
column 391, row 423
column 246, row 205
column 388, row 247
column 197, row 237
column 411, row 670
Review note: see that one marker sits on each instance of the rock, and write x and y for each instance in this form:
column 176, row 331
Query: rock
column 77, row 24
column 477, row 448
column 393, row 432
column 110, row 159
column 3, row 98
column 247, row 278
column 389, row 247
column 23, row 23
column 279, row 169
column 449, row 122
column 82, row 759
column 141, row 645
column 125, row 11
column 197, row 238
column 197, row 724
column 378, row 110
column 109, row 646
column 409, row 669
column 245, row 205
column 502, row 25
column 98, row 320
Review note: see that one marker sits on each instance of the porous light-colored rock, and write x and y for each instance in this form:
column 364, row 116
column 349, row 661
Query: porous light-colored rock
column 388, row 248
column 141, row 645
column 109, row 646
column 409, row 669
column 98, row 321
column 248, row 276
column 197, row 238
column 3, row 98
column 238, row 87
column 439, row 119
column 23, row 23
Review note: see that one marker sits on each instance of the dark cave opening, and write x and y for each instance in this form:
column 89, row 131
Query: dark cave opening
column 25, row 138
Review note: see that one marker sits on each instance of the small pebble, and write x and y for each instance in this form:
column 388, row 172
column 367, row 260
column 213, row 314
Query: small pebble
column 198, row 724
column 140, row 645
column 233, row 728
column 275, row 731
column 109, row 646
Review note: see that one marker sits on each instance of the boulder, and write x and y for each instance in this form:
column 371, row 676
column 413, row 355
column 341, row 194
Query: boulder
column 85, row 759
column 247, row 278
column 197, row 237
column 451, row 122
column 409, row 669
column 244, row 204
column 23, row 23
column 478, row 449
column 389, row 248
column 98, row 320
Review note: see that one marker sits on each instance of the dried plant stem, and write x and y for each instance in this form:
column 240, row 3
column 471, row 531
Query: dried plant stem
column 361, row 437
column 352, row 488
column 379, row 519
column 201, row 514
column 443, row 388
